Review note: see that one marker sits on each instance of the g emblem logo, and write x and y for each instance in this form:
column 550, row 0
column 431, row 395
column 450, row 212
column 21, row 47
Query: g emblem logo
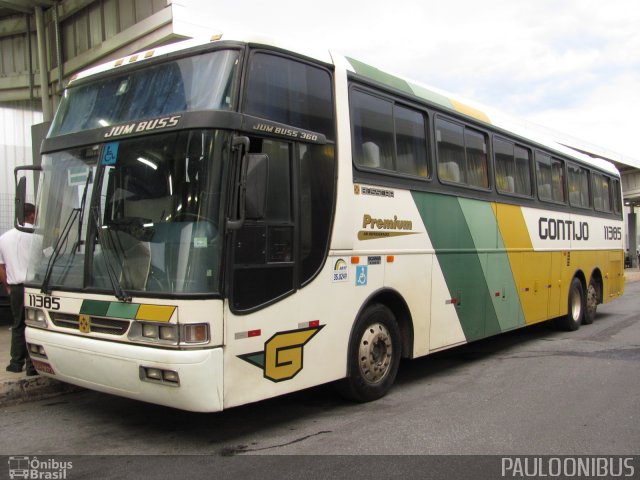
column 283, row 356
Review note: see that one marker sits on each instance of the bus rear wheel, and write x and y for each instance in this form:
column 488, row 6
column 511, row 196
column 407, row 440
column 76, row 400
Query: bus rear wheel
column 577, row 306
column 374, row 355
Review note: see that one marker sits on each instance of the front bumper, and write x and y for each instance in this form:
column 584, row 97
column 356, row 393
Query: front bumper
column 114, row 368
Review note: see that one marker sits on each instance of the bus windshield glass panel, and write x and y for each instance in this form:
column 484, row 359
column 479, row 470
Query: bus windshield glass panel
column 202, row 82
column 141, row 215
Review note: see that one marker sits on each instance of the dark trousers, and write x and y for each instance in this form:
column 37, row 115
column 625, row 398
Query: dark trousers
column 19, row 354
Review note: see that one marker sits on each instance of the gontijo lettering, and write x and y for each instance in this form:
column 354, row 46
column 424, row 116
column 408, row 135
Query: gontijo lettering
column 557, row 229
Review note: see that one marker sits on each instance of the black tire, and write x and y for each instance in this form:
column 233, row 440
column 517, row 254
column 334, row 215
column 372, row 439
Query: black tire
column 591, row 305
column 373, row 356
column 577, row 307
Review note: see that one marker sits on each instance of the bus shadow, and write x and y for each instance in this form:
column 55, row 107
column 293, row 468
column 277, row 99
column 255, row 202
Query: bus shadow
column 449, row 360
column 292, row 416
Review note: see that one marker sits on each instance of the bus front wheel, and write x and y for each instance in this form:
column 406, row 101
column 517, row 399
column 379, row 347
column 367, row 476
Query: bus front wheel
column 374, row 355
column 577, row 306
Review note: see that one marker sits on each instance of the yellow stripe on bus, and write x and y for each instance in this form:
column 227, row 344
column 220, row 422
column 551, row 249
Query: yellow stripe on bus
column 155, row 313
column 472, row 112
column 528, row 268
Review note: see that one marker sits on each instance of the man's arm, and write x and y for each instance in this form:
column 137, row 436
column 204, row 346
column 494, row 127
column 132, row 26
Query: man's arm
column 3, row 277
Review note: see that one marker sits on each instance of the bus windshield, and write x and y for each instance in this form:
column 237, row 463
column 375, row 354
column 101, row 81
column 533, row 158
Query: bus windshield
column 138, row 215
column 202, row 82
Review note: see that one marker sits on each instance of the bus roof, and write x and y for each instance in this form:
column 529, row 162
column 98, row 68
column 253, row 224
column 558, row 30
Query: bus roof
column 432, row 95
column 313, row 53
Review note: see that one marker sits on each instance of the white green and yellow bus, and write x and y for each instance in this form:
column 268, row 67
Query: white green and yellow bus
column 226, row 221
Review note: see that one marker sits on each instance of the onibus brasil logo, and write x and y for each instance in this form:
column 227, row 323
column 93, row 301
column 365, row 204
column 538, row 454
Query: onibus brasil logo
column 34, row 468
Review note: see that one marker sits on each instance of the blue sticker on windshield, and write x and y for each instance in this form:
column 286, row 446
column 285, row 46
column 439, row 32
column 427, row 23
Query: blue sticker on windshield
column 110, row 153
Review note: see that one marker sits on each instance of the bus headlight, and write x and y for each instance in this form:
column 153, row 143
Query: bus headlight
column 35, row 317
column 149, row 330
column 154, row 333
column 168, row 332
column 36, row 350
column 160, row 375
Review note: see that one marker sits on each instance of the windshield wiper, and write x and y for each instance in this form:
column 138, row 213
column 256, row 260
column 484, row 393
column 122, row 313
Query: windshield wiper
column 102, row 237
column 57, row 248
column 81, row 216
column 62, row 238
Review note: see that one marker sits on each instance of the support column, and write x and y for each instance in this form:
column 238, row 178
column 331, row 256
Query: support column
column 42, row 63
column 632, row 236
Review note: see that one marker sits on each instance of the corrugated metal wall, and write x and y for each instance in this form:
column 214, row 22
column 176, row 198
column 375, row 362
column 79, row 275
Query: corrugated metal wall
column 16, row 119
column 14, row 54
column 81, row 30
column 99, row 21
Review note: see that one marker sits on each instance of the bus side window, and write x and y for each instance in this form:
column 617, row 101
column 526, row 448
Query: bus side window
column 578, row 186
column 462, row 154
column 451, row 157
column 290, row 92
column 513, row 167
column 388, row 136
column 601, row 193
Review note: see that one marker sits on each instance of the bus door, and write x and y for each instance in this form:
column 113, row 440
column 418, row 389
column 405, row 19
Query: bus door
column 282, row 244
column 536, row 298
column 556, row 298
column 263, row 248
column 615, row 274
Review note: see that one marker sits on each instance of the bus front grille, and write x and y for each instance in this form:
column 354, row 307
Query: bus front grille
column 108, row 326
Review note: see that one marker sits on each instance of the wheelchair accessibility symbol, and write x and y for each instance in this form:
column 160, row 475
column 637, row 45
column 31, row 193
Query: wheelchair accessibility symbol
column 110, row 153
column 361, row 275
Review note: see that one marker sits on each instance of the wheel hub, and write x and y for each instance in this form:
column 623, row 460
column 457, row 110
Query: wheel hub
column 576, row 305
column 375, row 353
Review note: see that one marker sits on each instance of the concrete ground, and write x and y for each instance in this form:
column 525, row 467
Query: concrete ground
column 17, row 387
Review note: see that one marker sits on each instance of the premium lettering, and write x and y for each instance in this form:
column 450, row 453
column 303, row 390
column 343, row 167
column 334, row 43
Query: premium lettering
column 386, row 223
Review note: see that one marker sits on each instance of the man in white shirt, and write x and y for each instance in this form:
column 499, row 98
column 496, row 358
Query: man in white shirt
column 15, row 251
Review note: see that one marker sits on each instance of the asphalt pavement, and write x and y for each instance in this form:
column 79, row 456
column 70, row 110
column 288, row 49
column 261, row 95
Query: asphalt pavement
column 17, row 387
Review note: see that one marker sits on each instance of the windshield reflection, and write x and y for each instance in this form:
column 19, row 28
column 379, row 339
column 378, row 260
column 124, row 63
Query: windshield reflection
column 200, row 82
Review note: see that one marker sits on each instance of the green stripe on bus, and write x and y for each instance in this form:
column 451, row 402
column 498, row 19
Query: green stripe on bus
column 431, row 96
column 495, row 264
column 94, row 307
column 414, row 89
column 379, row 76
column 460, row 262
column 109, row 309
column 123, row 310
column 474, row 262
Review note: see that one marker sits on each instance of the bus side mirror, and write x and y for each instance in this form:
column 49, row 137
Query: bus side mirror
column 256, row 185
column 22, row 193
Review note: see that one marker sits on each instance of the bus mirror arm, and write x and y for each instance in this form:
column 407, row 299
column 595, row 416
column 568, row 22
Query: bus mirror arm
column 252, row 191
column 240, row 147
column 256, row 181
